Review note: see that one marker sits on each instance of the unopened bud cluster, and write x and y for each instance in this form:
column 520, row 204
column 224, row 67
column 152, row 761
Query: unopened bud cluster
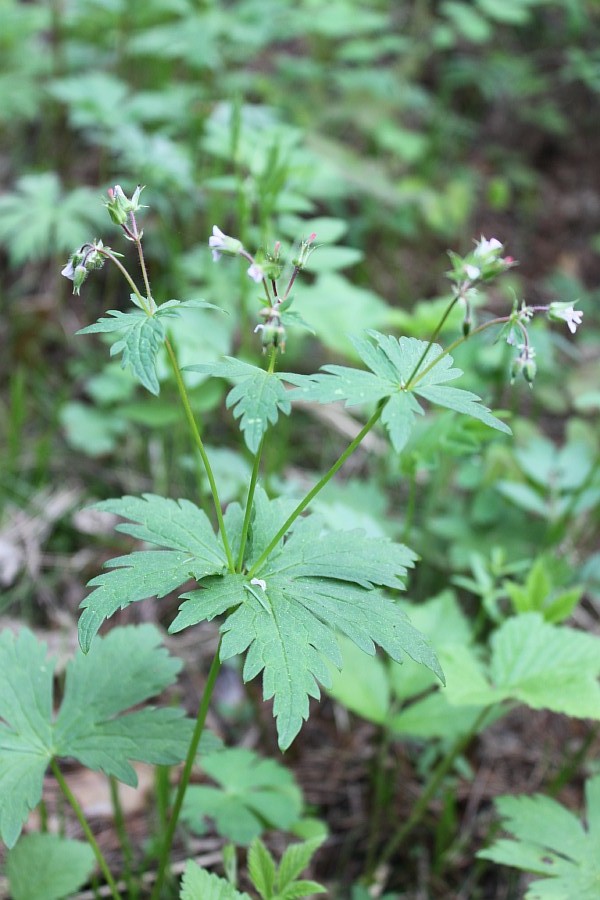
column 483, row 264
column 266, row 271
column 121, row 207
column 524, row 364
column 83, row 261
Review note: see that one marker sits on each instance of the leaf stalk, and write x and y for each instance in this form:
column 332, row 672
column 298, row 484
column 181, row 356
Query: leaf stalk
column 201, row 450
column 186, row 774
column 86, row 828
column 318, row 487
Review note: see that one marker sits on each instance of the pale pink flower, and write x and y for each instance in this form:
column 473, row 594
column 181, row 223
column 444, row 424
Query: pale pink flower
column 256, row 273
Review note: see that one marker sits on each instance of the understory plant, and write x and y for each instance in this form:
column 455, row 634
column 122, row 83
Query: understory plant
column 284, row 585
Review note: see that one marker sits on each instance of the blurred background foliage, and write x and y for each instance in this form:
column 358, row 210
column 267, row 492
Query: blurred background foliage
column 395, row 129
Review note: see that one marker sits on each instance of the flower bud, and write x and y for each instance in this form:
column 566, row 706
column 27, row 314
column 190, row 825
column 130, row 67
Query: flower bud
column 119, row 206
column 530, row 370
column 272, row 334
column 79, row 276
column 524, row 364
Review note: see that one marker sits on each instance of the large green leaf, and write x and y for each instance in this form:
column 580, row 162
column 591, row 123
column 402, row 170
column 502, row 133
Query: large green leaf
column 550, row 841
column 310, row 587
column 25, row 727
column 392, row 377
column 121, row 670
column 193, row 551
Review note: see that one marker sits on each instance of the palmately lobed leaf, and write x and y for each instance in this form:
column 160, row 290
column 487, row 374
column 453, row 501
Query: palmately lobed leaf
column 392, row 377
column 193, row 551
column 173, row 524
column 141, row 336
column 126, row 668
column 312, row 586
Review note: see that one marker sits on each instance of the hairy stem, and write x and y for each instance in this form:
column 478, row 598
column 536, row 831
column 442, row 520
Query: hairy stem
column 138, row 242
column 86, row 828
column 128, row 279
column 318, row 487
column 186, row 774
column 200, row 447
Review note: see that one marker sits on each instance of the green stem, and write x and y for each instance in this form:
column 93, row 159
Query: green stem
column 43, row 811
column 200, row 447
column 318, row 487
column 138, row 243
column 432, row 339
column 253, row 482
column 121, row 830
column 186, row 774
column 86, row 828
column 128, row 279
column 437, row 776
column 461, row 340
column 249, row 504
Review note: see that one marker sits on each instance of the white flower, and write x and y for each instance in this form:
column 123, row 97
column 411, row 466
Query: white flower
column 69, row 270
column 571, row 316
column 217, row 242
column 220, row 242
column 472, row 272
column 564, row 312
column 256, row 273
column 485, row 247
